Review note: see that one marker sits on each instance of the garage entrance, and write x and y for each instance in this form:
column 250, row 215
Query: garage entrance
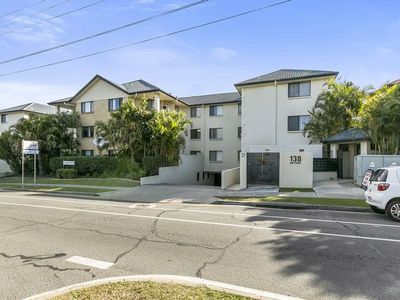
column 263, row 168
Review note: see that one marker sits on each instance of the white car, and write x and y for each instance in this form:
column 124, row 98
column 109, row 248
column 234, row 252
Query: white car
column 383, row 192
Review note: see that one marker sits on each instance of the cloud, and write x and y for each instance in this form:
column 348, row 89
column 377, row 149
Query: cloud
column 20, row 92
column 385, row 51
column 34, row 30
column 223, row 53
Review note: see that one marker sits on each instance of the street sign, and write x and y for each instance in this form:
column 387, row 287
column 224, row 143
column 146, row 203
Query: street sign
column 30, row 147
column 68, row 163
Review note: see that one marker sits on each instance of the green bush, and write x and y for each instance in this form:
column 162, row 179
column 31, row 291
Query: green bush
column 151, row 165
column 66, row 173
column 126, row 168
column 86, row 165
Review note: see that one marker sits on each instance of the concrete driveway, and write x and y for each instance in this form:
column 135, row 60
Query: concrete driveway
column 165, row 193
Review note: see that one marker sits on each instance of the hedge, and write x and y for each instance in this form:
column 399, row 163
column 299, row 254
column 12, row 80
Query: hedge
column 86, row 165
column 151, row 165
column 66, row 173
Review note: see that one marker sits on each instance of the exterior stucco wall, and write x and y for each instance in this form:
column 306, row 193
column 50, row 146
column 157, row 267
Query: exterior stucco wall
column 12, row 119
column 230, row 143
column 230, row 177
column 296, row 175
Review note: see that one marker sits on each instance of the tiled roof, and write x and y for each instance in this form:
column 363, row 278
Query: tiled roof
column 31, row 107
column 63, row 100
column 394, row 82
column 212, row 99
column 349, row 135
column 139, row 86
column 287, row 74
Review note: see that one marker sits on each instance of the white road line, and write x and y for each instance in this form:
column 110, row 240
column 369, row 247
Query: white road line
column 153, row 207
column 203, row 222
column 98, row 264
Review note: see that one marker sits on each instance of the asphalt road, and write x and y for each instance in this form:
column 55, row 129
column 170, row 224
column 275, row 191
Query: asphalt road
column 306, row 254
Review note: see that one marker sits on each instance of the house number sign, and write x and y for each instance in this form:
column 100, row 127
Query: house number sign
column 295, row 159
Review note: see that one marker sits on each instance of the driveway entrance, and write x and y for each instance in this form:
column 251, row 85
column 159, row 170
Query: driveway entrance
column 263, row 168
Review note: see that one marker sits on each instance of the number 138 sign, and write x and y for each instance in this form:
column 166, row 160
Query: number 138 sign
column 295, row 159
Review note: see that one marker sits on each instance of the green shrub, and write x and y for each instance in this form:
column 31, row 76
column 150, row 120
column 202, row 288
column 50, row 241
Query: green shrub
column 126, row 168
column 66, row 173
column 151, row 165
column 86, row 165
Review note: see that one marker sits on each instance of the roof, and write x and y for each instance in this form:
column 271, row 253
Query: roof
column 350, row 135
column 132, row 87
column 31, row 107
column 394, row 82
column 285, row 75
column 212, row 98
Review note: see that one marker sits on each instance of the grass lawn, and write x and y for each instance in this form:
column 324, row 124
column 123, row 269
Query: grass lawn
column 312, row 201
column 117, row 182
column 87, row 190
column 146, row 291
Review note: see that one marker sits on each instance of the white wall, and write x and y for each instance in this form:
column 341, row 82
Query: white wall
column 185, row 173
column 265, row 111
column 294, row 174
column 230, row 144
column 12, row 119
column 230, row 177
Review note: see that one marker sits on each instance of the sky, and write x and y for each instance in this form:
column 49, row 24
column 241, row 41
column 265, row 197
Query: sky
column 358, row 38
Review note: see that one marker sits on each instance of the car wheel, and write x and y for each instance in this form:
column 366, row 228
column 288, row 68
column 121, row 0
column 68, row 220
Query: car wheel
column 393, row 210
column 377, row 210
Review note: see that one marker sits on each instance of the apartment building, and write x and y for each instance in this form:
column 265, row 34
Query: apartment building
column 249, row 130
column 215, row 130
column 10, row 116
column 275, row 109
column 100, row 97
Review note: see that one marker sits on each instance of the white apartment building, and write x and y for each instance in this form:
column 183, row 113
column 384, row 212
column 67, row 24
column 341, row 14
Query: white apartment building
column 251, row 131
column 275, row 109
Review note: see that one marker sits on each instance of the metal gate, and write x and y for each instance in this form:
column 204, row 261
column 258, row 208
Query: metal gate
column 263, row 168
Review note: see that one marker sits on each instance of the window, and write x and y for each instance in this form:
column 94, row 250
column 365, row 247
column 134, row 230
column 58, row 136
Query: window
column 297, row 123
column 195, row 134
column 87, row 131
column 379, row 175
column 112, row 153
column 177, row 109
column 372, row 147
column 216, row 134
column 216, row 110
column 114, row 104
column 300, row 89
column 4, row 118
column 195, row 112
column 87, row 153
column 238, row 154
column 239, row 132
column 151, row 104
column 216, row 156
column 195, row 152
column 239, row 109
column 87, row 107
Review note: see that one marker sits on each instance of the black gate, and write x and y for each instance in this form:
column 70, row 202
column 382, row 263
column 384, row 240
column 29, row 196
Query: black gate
column 263, row 168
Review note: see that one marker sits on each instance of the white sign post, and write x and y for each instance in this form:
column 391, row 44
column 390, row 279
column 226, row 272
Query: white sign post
column 29, row 148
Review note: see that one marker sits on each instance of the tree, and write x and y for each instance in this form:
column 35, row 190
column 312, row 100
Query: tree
column 379, row 117
column 335, row 110
column 56, row 135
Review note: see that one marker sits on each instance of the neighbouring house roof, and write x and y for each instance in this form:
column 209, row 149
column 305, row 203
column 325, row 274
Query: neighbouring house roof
column 350, row 135
column 285, row 75
column 212, row 99
column 132, row 87
column 31, row 107
column 394, row 82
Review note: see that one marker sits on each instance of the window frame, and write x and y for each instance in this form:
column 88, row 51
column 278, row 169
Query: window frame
column 299, row 127
column 111, row 102
column 83, row 153
column 5, row 120
column 214, row 113
column 216, row 138
column 239, row 132
column 239, row 109
column 197, row 110
column 91, row 107
column 216, row 156
column 198, row 132
column 90, row 132
column 299, row 94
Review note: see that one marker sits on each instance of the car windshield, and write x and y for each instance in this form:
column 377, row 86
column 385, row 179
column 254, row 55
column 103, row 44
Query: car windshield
column 379, row 175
